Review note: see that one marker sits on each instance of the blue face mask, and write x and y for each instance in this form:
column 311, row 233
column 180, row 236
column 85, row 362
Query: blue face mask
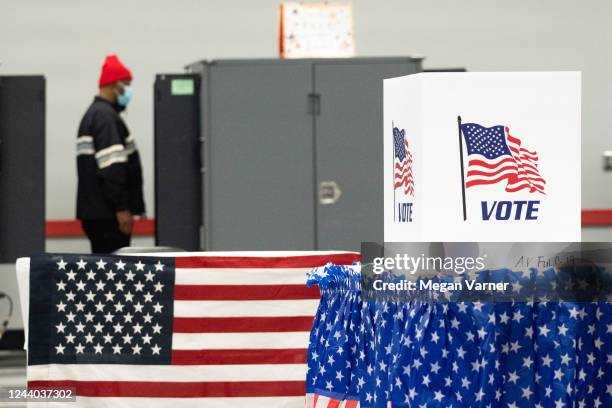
column 125, row 97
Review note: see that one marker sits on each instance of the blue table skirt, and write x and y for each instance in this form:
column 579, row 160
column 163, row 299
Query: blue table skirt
column 456, row 354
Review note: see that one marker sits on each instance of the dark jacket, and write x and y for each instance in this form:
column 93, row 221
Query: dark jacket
column 110, row 175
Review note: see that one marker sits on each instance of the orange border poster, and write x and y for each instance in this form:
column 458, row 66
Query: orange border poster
column 316, row 30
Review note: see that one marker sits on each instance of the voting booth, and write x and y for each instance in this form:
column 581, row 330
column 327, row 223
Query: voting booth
column 482, row 157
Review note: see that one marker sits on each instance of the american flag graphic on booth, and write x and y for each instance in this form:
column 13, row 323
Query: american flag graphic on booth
column 403, row 178
column 495, row 156
column 218, row 331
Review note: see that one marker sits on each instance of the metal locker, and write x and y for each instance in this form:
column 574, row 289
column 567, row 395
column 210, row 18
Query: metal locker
column 177, row 161
column 259, row 153
column 22, row 166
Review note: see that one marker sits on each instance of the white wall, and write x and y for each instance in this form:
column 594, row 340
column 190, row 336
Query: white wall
column 67, row 41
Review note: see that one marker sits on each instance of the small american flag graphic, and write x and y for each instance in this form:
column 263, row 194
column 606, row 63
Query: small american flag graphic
column 495, row 156
column 163, row 331
column 402, row 163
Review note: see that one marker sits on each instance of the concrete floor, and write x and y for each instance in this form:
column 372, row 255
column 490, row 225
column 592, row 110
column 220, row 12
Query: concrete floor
column 12, row 373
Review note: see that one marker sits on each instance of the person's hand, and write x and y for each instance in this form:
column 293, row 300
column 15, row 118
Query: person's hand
column 126, row 221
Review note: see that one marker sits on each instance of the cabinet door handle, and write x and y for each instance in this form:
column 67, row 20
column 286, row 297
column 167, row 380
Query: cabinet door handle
column 329, row 192
column 314, row 104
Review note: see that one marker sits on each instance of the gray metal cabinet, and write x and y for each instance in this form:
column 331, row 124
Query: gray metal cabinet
column 292, row 152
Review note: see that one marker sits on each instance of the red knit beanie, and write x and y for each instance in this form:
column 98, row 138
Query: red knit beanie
column 113, row 70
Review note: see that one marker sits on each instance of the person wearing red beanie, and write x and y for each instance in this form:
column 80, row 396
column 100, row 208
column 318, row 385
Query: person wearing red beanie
column 113, row 70
column 109, row 192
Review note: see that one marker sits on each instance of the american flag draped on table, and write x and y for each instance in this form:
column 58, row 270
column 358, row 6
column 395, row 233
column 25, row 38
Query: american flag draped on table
column 457, row 354
column 214, row 331
column 496, row 156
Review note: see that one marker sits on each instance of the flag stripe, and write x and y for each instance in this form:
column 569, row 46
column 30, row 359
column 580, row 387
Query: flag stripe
column 241, row 324
column 178, row 389
column 530, row 167
column 133, row 402
column 493, row 178
column 210, row 341
column 481, row 181
column 180, row 373
column 405, row 181
column 239, row 356
column 485, row 174
column 247, row 308
column 529, row 155
column 245, row 292
column 246, row 262
column 403, row 166
column 321, row 401
column 333, row 404
column 529, row 181
column 522, row 186
column 490, row 163
column 512, row 139
column 254, row 276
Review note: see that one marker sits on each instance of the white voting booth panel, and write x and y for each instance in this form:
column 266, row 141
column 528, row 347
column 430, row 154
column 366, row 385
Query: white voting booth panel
column 514, row 155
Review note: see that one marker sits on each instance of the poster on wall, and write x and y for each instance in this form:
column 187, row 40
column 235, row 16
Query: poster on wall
column 316, row 30
column 482, row 156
